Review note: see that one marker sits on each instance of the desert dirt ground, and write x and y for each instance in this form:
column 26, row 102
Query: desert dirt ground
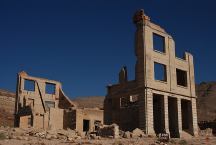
column 133, row 141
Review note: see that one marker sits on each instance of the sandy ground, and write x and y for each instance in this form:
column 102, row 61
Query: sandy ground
column 138, row 141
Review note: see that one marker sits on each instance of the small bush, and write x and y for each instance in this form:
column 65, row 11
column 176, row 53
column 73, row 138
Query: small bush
column 2, row 136
column 183, row 142
column 172, row 141
column 117, row 143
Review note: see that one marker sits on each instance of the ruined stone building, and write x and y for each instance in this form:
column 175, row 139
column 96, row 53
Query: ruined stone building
column 162, row 97
column 41, row 103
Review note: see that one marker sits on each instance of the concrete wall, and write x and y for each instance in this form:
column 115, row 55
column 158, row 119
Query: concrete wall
column 55, row 123
column 34, row 103
column 146, row 86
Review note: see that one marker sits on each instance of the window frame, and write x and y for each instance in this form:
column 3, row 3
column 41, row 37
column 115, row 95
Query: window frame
column 28, row 82
column 162, row 39
column 185, row 77
column 164, row 72
column 48, row 85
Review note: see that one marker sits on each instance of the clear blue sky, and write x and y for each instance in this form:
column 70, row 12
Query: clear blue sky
column 84, row 43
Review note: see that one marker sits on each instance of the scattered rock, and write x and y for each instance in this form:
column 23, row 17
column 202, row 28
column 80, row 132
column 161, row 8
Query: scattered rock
column 127, row 134
column 78, row 137
column 137, row 133
column 206, row 132
column 19, row 137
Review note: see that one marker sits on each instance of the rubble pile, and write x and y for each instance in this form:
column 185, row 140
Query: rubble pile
column 206, row 132
column 106, row 135
column 105, row 131
column 27, row 134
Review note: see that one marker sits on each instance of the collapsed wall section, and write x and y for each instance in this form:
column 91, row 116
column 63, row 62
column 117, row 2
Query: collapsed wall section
column 39, row 103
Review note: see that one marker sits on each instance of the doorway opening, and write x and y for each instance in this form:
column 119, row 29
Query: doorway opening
column 85, row 125
column 173, row 117
column 186, row 109
column 158, row 113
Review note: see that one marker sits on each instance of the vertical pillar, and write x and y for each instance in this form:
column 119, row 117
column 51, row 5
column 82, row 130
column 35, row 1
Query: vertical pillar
column 179, row 116
column 142, row 112
column 194, row 117
column 149, row 113
column 166, row 115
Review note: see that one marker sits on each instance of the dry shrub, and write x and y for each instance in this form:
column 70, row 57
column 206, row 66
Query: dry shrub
column 183, row 142
column 2, row 136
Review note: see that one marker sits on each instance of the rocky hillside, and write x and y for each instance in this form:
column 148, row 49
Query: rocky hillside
column 206, row 103
column 7, row 100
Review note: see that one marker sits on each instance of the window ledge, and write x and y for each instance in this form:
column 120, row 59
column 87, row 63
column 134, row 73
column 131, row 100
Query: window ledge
column 181, row 59
column 182, row 86
column 165, row 82
column 157, row 51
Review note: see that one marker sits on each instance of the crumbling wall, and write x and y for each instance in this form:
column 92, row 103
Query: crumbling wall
column 158, row 71
column 64, row 101
column 69, row 120
column 118, row 105
column 39, row 103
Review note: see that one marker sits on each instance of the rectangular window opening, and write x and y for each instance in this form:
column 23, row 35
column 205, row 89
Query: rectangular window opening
column 29, row 85
column 49, row 104
column 181, row 77
column 129, row 101
column 158, row 43
column 160, row 72
column 50, row 88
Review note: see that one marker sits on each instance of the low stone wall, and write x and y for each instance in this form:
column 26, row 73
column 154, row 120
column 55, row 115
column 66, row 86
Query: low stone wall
column 109, row 131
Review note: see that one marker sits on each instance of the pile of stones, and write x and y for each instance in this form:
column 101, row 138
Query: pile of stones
column 27, row 134
column 108, row 131
column 136, row 133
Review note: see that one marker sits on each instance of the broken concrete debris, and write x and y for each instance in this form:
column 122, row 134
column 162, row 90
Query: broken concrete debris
column 107, row 131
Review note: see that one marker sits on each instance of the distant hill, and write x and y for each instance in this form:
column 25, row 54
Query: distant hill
column 89, row 102
column 206, row 103
column 7, row 104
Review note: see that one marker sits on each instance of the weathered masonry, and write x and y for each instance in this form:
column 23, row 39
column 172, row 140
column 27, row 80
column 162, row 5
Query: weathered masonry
column 162, row 97
column 41, row 103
